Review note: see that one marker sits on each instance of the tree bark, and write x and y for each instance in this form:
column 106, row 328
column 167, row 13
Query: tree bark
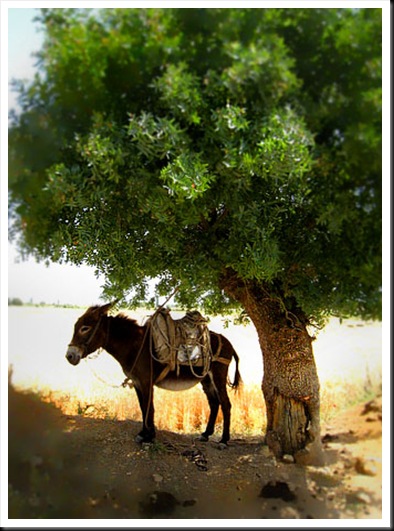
column 290, row 382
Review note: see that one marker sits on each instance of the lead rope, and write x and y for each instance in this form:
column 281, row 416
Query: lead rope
column 127, row 382
column 97, row 354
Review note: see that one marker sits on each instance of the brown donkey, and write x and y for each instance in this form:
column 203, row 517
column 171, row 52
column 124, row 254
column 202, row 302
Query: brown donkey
column 129, row 343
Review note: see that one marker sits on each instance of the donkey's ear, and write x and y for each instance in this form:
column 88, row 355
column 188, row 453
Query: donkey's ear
column 105, row 309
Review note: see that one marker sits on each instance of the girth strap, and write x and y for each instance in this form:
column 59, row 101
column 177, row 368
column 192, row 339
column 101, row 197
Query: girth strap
column 217, row 356
column 163, row 374
column 222, row 360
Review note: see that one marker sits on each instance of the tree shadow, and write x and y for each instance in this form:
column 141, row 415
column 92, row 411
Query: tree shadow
column 47, row 475
column 74, row 466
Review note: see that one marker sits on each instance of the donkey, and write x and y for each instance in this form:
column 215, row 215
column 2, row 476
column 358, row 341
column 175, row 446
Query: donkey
column 129, row 343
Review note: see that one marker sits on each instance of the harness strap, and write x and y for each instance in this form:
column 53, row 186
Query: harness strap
column 163, row 374
column 94, row 332
column 222, row 360
column 217, row 356
column 219, row 349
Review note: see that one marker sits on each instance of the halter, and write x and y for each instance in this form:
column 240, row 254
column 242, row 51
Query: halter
column 85, row 345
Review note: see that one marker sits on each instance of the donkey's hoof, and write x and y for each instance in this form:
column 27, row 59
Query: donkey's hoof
column 223, row 446
column 202, row 438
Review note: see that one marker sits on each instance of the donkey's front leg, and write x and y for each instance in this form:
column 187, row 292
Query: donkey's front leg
column 148, row 432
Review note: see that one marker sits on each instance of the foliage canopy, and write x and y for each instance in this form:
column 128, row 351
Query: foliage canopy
column 183, row 143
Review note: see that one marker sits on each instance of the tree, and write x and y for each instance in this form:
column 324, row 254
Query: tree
column 233, row 153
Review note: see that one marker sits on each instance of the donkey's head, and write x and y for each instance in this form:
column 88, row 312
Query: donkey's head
column 89, row 333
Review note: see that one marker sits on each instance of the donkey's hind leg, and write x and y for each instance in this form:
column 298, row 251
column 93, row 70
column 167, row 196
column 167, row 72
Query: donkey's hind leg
column 213, row 400
column 220, row 384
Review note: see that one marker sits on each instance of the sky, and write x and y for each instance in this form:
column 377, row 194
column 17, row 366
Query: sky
column 28, row 280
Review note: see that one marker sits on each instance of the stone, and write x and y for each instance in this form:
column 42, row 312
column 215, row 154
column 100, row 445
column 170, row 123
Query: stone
column 158, row 502
column 277, row 489
column 365, row 467
column 289, row 512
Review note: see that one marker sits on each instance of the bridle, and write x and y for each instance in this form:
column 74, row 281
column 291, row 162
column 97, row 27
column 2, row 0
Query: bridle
column 84, row 346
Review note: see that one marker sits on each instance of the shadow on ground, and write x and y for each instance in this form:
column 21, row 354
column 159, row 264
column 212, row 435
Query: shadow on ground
column 68, row 467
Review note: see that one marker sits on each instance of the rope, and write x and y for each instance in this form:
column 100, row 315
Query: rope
column 95, row 356
column 169, row 298
column 206, row 356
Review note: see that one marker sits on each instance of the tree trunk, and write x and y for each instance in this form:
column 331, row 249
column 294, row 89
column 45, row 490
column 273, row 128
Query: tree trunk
column 290, row 382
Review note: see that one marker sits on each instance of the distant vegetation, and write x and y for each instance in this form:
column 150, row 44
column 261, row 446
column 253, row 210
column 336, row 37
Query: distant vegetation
column 150, row 305
column 16, row 301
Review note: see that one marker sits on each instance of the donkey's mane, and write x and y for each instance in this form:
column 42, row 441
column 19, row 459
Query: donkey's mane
column 125, row 328
column 120, row 317
column 123, row 317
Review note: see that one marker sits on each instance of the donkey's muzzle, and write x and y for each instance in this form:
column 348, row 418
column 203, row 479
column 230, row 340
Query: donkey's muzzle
column 73, row 355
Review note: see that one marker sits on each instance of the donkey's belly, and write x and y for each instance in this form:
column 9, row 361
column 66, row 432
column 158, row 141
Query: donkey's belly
column 177, row 384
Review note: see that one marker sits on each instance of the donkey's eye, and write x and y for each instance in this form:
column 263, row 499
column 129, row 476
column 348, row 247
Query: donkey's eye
column 84, row 329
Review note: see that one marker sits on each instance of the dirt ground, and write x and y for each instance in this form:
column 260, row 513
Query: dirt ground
column 73, row 467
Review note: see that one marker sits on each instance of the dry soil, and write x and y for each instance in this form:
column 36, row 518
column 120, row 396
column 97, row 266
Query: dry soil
column 73, row 467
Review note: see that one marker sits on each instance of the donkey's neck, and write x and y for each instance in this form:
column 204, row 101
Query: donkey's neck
column 124, row 339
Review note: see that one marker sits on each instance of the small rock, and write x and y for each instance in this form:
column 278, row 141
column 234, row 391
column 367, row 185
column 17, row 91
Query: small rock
column 312, row 455
column 358, row 497
column 34, row 500
column 363, row 498
column 245, row 458
column 367, row 468
column 289, row 512
column 189, row 503
column 36, row 461
column 265, row 451
column 328, row 437
column 288, row 459
column 157, row 478
column 158, row 502
column 374, row 405
column 93, row 502
column 277, row 489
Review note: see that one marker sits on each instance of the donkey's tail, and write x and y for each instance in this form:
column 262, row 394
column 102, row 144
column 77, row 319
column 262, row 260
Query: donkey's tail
column 236, row 384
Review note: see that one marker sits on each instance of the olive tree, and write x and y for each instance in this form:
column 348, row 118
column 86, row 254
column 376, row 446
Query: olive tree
column 234, row 154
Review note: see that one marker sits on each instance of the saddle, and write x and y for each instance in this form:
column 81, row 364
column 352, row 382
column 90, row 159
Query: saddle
column 184, row 341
